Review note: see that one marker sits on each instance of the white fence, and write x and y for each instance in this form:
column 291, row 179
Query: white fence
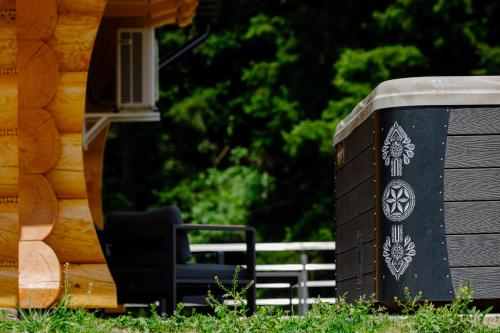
column 301, row 270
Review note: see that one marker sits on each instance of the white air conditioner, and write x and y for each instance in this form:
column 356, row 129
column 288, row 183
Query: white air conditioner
column 137, row 70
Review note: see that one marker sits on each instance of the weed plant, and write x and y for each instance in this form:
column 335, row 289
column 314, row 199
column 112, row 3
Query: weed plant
column 363, row 316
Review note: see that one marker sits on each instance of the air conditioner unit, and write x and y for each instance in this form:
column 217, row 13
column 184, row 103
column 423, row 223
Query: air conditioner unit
column 137, row 70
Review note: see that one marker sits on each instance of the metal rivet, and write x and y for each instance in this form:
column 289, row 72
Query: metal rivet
column 445, row 126
column 451, row 292
column 442, row 243
column 444, row 259
column 440, row 209
column 447, row 275
column 440, row 176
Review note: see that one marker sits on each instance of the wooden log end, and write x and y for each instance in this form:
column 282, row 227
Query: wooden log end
column 39, row 275
column 38, row 74
column 39, row 141
column 37, row 207
column 36, row 20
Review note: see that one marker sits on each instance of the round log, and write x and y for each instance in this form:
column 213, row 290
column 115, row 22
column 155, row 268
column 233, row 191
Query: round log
column 39, row 275
column 68, row 106
column 36, row 20
column 8, row 102
column 38, row 74
column 9, row 181
column 39, row 141
column 9, row 149
column 8, row 287
column 8, row 47
column 9, row 231
column 37, row 207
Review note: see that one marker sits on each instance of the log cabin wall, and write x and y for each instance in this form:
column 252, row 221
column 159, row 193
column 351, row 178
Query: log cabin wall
column 48, row 243
column 45, row 218
column 472, row 199
column 355, row 213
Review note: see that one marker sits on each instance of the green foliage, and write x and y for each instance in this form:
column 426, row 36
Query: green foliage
column 363, row 316
column 249, row 115
column 456, row 317
column 219, row 196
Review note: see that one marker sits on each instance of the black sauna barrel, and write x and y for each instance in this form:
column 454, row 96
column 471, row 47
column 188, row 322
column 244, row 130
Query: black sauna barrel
column 418, row 190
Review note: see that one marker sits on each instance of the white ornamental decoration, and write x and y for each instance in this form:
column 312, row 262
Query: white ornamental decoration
column 398, row 252
column 397, row 149
column 398, row 200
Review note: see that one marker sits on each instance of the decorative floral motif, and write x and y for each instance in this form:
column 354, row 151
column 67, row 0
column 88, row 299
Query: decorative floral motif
column 397, row 149
column 398, row 200
column 398, row 252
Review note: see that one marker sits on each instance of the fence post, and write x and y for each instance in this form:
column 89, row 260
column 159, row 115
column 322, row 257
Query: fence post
column 303, row 292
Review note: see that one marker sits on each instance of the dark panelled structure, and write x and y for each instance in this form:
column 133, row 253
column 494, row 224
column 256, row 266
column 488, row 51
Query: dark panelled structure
column 417, row 181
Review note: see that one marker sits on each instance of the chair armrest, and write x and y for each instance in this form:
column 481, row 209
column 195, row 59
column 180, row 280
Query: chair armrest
column 217, row 227
column 250, row 254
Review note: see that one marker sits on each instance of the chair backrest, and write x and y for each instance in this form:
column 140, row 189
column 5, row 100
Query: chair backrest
column 143, row 234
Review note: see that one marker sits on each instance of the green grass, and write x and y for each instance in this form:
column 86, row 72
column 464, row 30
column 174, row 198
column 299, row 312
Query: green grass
column 363, row 316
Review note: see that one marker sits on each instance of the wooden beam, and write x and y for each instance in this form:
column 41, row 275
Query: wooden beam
column 73, row 40
column 68, row 184
column 68, row 106
column 80, row 6
column 91, row 285
column 94, row 165
column 73, row 237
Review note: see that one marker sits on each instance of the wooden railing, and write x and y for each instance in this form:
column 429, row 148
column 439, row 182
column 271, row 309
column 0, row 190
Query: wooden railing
column 300, row 270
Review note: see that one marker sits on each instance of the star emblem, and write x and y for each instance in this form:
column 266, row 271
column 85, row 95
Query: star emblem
column 398, row 200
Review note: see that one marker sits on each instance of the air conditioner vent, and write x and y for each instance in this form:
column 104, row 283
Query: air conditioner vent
column 137, row 67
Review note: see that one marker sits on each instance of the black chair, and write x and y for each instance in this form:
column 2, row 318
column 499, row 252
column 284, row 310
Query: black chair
column 147, row 254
